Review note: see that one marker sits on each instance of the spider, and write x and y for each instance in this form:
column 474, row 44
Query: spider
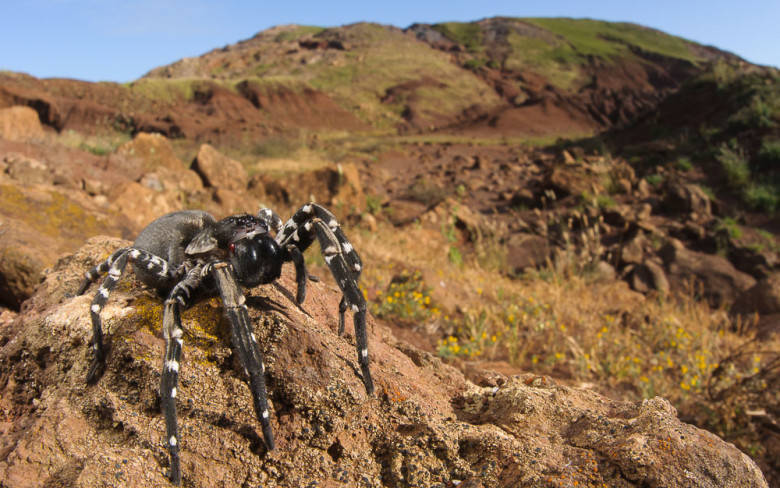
column 188, row 255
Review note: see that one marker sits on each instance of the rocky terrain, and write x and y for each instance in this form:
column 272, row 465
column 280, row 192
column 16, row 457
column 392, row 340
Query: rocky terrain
column 561, row 223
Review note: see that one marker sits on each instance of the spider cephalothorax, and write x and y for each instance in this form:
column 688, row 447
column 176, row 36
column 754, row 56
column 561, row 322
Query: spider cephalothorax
column 187, row 255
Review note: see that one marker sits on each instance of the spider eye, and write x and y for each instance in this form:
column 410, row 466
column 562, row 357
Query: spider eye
column 256, row 260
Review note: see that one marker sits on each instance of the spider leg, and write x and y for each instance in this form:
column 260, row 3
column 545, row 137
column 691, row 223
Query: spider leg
column 245, row 342
column 172, row 333
column 300, row 272
column 271, row 219
column 311, row 222
column 342, row 311
column 115, row 265
column 93, row 274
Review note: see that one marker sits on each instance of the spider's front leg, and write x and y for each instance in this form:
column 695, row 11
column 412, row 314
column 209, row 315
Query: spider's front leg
column 245, row 342
column 312, row 222
column 173, row 335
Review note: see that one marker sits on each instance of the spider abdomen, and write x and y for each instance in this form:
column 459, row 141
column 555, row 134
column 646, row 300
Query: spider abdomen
column 167, row 237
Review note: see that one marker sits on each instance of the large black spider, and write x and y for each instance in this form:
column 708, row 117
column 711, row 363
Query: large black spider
column 189, row 255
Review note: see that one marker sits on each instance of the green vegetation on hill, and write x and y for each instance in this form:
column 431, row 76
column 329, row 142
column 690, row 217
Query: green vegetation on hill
column 586, row 37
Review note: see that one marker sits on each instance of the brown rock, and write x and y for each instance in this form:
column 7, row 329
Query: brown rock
column 762, row 298
column 20, row 124
column 526, row 251
column 426, row 425
column 37, row 224
column 720, row 282
column 219, row 171
column 335, row 186
column 647, row 276
column 27, row 170
column 153, row 150
column 681, row 198
column 633, row 251
column 141, row 205
column 402, row 212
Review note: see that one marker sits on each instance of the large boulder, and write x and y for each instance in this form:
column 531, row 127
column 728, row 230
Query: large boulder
column 20, row 124
column 37, row 224
column 154, row 151
column 717, row 279
column 219, row 171
column 425, row 426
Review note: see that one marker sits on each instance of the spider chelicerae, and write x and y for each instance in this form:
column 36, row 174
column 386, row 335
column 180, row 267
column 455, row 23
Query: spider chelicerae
column 188, row 255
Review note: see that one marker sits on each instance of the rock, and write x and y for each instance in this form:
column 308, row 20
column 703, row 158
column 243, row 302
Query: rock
column 643, row 189
column 153, row 150
column 426, row 426
column 219, row 171
column 37, row 224
column 141, row 205
column 335, row 186
column 566, row 181
column 647, row 276
column 604, row 272
column 718, row 280
column 682, row 198
column 762, row 298
column 27, row 170
column 403, row 212
column 526, row 251
column 633, row 250
column 20, row 123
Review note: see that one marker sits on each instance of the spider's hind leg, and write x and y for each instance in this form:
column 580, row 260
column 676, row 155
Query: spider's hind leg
column 93, row 274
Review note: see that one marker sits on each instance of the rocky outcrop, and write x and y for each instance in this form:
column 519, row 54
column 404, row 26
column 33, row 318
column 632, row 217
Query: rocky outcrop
column 426, row 426
column 20, row 124
column 219, row 171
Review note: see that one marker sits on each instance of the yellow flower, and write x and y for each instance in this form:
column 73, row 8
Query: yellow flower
column 644, row 379
column 684, row 369
column 685, row 386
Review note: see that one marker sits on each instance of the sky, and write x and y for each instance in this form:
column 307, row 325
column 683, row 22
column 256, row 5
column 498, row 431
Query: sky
column 107, row 40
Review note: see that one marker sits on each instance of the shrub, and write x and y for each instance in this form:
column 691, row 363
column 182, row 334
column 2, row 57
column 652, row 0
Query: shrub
column 734, row 166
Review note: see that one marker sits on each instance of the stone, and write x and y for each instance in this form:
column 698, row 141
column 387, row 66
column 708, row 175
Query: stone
column 153, row 150
column 219, row 171
column 20, row 123
column 712, row 275
column 684, row 198
column 762, row 298
column 526, row 251
column 648, row 276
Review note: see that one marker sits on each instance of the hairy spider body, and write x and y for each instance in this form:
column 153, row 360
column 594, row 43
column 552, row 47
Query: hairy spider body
column 188, row 255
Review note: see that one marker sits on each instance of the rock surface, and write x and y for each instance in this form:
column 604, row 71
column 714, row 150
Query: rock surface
column 426, row 426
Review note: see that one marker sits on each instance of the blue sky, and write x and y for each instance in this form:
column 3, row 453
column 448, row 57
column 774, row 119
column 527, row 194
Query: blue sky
column 106, row 40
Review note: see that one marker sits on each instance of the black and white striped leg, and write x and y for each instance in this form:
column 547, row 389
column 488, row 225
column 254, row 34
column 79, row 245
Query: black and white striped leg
column 117, row 266
column 245, row 343
column 114, row 265
column 300, row 272
column 173, row 335
column 314, row 221
column 93, row 274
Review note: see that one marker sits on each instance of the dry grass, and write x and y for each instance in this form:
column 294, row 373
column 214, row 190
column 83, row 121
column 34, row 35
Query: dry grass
column 564, row 322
